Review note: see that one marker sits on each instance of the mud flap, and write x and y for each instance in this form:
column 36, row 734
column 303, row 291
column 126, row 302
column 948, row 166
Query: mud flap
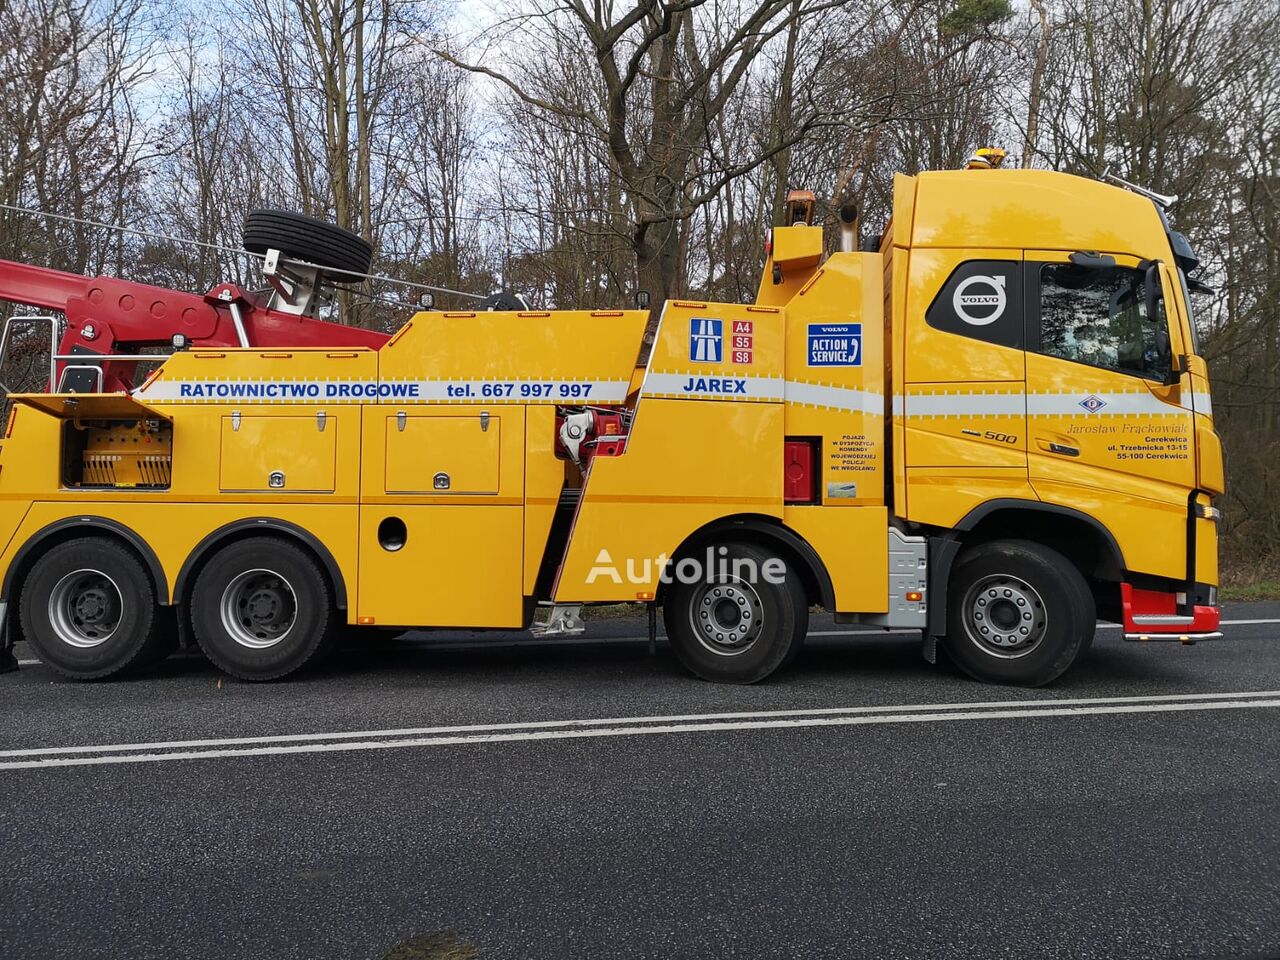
column 8, row 662
column 929, row 646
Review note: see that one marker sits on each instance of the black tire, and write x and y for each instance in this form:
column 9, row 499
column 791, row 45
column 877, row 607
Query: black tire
column 777, row 618
column 278, row 605
column 89, row 610
column 305, row 238
column 999, row 590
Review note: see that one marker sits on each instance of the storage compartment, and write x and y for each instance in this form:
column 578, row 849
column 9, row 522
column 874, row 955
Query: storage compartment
column 443, row 455
column 262, row 454
column 117, row 454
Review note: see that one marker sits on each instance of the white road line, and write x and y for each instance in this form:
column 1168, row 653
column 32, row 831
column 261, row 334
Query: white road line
column 755, row 715
column 1239, row 623
column 441, row 741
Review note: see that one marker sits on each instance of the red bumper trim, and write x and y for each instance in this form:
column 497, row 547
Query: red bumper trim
column 1156, row 612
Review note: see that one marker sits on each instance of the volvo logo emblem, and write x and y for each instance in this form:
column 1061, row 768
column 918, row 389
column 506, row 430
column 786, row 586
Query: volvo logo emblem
column 980, row 300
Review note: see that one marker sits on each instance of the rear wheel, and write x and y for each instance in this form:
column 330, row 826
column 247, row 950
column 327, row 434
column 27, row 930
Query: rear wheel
column 89, row 610
column 1018, row 613
column 740, row 621
column 262, row 609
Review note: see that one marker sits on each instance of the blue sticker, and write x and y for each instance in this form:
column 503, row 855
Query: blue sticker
column 706, row 340
column 835, row 344
column 1093, row 403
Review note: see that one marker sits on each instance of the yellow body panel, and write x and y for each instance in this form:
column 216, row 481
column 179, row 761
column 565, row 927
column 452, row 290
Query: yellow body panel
column 1033, row 209
column 684, row 468
column 842, row 403
column 1206, row 551
column 793, row 254
column 851, row 543
column 460, row 566
column 700, row 411
column 565, row 356
column 461, row 562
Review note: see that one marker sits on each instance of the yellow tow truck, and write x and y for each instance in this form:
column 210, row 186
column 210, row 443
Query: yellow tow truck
column 993, row 427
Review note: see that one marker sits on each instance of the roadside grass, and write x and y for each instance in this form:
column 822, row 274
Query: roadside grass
column 1258, row 590
column 613, row 611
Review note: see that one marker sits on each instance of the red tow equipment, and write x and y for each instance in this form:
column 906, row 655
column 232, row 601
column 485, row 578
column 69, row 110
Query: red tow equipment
column 107, row 316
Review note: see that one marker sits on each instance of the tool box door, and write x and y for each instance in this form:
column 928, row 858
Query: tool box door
column 444, row 455
column 278, row 454
column 89, row 406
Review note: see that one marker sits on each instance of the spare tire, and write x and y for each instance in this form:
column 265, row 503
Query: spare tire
column 299, row 237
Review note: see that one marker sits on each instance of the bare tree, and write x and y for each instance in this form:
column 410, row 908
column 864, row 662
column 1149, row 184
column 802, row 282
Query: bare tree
column 662, row 73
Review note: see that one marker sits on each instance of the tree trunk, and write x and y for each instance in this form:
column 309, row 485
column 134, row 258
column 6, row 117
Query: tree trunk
column 1037, row 78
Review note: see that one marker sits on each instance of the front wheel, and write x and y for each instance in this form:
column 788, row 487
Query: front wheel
column 739, row 621
column 1018, row 613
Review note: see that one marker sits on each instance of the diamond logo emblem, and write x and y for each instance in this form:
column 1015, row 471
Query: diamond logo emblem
column 1093, row 403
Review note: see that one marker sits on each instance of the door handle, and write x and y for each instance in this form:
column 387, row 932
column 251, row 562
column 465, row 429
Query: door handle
column 1062, row 449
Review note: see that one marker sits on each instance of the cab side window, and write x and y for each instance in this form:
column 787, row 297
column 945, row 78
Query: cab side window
column 1098, row 316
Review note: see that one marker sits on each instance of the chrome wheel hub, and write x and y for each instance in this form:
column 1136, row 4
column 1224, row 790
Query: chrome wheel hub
column 259, row 609
column 1004, row 616
column 85, row 608
column 728, row 617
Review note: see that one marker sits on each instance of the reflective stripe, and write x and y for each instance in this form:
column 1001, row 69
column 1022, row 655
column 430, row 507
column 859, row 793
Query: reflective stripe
column 966, row 405
column 1113, row 404
column 492, row 390
column 1017, row 404
column 704, row 386
column 837, row 398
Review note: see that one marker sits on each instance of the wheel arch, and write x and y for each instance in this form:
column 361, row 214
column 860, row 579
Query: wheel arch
column 764, row 530
column 71, row 528
column 257, row 526
column 1084, row 540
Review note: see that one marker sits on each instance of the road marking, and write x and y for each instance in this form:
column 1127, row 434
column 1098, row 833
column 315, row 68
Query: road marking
column 588, row 641
column 46, row 757
column 660, row 718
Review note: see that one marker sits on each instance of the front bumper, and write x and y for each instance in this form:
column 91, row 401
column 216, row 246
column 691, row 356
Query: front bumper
column 1161, row 615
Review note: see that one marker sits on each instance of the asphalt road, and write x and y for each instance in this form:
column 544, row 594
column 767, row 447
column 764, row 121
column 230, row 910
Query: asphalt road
column 441, row 795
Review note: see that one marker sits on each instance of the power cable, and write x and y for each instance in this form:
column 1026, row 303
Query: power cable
column 236, row 250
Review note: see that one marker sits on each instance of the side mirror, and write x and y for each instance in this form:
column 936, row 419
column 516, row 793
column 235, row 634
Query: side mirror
column 1164, row 347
